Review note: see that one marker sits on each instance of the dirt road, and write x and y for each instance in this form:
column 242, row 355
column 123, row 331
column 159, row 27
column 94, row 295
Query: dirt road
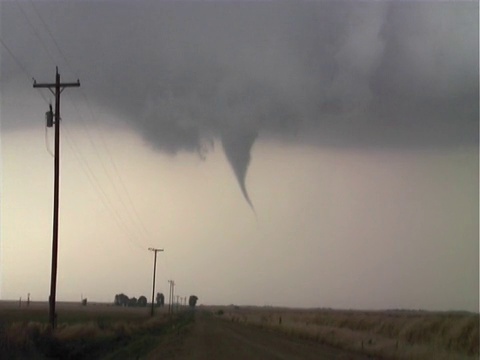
column 210, row 338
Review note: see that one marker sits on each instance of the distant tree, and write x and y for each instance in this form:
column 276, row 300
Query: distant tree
column 121, row 300
column 132, row 301
column 142, row 301
column 160, row 299
column 192, row 301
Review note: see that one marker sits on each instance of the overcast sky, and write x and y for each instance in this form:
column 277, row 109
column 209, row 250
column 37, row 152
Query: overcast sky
column 320, row 154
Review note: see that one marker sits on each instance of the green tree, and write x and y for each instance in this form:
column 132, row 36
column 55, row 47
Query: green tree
column 160, row 299
column 192, row 301
column 142, row 301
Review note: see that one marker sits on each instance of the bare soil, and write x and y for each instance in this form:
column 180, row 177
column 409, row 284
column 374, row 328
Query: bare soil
column 209, row 338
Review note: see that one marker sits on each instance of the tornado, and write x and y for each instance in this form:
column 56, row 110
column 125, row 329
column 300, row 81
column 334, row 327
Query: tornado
column 237, row 145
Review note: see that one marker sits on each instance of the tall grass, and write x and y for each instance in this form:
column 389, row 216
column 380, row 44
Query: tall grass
column 386, row 334
column 76, row 340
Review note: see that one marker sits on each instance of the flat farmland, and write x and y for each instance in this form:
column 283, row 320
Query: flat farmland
column 392, row 334
column 69, row 312
column 104, row 331
column 95, row 331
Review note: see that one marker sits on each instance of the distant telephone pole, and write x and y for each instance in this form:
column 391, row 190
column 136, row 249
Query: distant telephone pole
column 56, row 89
column 171, row 296
column 154, row 271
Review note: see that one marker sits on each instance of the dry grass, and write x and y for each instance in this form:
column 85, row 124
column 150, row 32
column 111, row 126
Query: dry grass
column 81, row 331
column 385, row 334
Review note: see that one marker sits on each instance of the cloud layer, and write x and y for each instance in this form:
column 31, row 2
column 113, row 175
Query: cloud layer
column 348, row 74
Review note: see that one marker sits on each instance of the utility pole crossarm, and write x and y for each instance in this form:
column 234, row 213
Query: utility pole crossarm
column 62, row 85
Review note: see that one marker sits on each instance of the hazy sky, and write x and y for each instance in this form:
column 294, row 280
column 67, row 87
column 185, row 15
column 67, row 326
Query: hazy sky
column 283, row 153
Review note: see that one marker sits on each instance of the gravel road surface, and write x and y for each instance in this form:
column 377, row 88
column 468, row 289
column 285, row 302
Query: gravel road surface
column 211, row 338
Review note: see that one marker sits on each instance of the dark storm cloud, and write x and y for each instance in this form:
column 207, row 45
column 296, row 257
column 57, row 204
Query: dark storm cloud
column 355, row 74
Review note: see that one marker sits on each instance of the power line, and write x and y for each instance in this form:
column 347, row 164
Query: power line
column 53, row 38
column 95, row 181
column 135, row 213
column 100, row 191
column 132, row 207
column 129, row 198
column 102, row 163
column 35, row 31
column 21, row 66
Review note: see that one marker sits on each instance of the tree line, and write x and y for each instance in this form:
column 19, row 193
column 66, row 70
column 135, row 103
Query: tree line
column 124, row 300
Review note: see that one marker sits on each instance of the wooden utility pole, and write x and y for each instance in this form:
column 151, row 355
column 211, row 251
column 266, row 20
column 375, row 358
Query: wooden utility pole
column 154, row 271
column 170, row 298
column 56, row 89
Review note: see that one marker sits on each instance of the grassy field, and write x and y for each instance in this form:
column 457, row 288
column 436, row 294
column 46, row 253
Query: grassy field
column 104, row 331
column 392, row 334
column 95, row 331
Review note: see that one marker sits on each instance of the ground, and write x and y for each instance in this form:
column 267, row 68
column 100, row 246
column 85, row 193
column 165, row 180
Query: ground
column 211, row 337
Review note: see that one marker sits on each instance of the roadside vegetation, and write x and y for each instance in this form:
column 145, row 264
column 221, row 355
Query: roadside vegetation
column 93, row 332
column 395, row 334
